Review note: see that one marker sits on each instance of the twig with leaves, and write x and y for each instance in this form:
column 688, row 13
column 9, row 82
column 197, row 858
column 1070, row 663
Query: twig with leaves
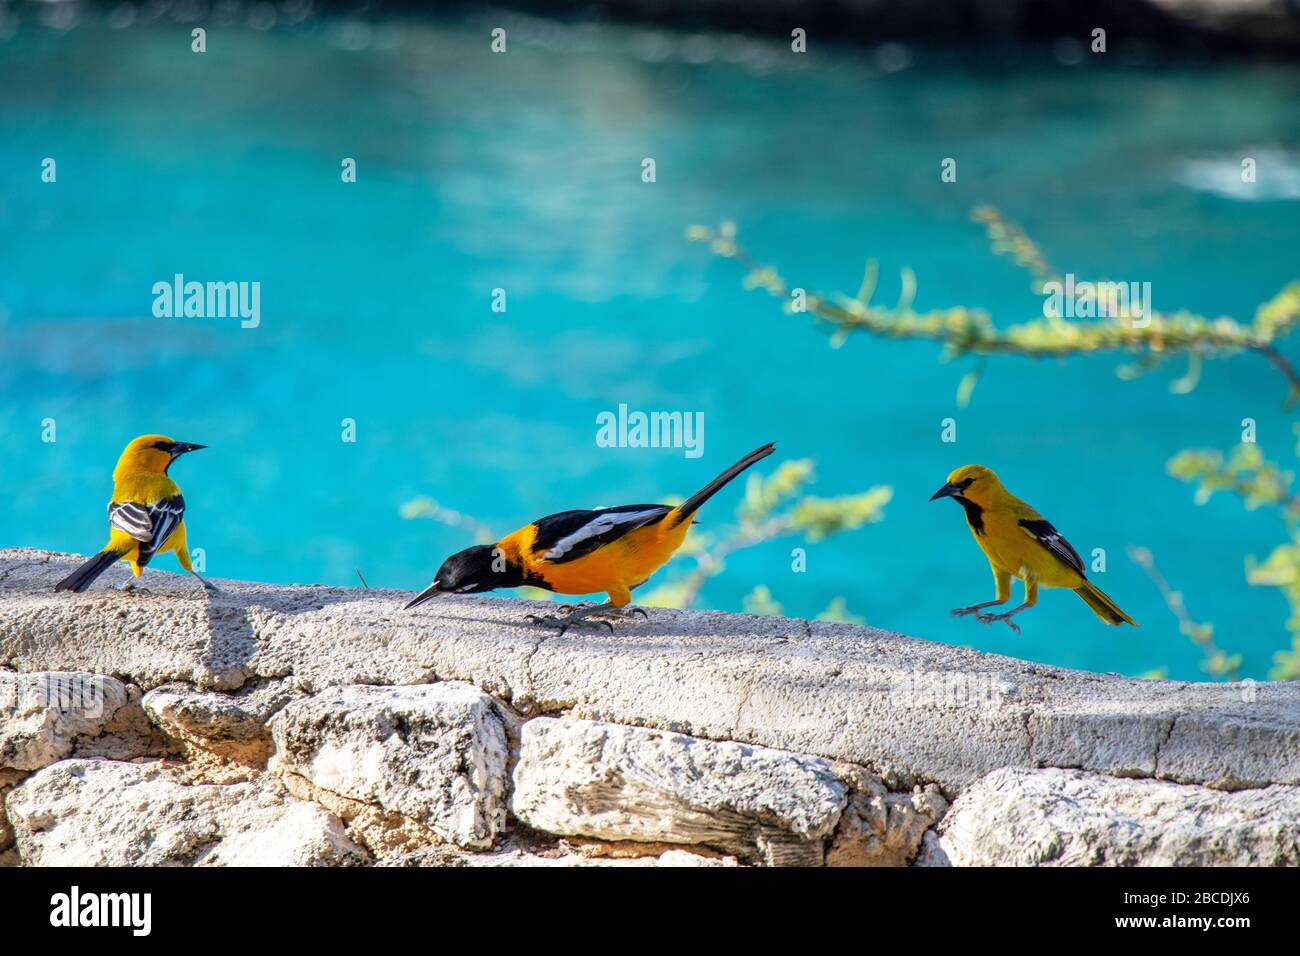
column 773, row 507
column 966, row 331
column 1259, row 483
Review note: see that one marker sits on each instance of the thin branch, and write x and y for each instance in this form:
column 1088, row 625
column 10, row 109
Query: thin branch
column 966, row 331
column 1281, row 362
column 1227, row 666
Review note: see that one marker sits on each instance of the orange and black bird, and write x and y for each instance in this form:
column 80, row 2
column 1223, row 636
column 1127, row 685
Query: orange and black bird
column 613, row 550
column 1020, row 543
column 146, row 516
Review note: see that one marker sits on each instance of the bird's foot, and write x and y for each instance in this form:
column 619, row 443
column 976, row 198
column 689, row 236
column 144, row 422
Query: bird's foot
column 595, row 615
column 130, row 587
column 207, row 585
column 973, row 609
column 1004, row 618
column 580, row 617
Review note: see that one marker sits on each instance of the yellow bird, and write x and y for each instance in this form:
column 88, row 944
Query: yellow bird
column 1019, row 543
column 146, row 516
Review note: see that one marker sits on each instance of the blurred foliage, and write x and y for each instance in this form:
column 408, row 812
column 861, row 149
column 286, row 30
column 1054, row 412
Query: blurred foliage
column 1245, row 473
column 963, row 331
column 838, row 612
column 771, row 507
column 426, row 507
column 760, row 601
column 1259, row 483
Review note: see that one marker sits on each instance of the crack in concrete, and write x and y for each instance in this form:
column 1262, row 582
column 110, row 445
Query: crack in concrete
column 530, row 694
column 1029, row 739
column 747, row 693
column 1165, row 733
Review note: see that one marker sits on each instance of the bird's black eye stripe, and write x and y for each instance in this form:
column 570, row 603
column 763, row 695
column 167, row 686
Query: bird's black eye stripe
column 966, row 484
column 167, row 446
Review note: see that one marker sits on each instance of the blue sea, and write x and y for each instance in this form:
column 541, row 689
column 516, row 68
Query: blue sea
column 522, row 171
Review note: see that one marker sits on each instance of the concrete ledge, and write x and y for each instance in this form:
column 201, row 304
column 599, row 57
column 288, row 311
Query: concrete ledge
column 914, row 711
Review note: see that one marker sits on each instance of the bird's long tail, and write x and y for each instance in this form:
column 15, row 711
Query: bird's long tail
column 692, row 504
column 85, row 575
column 1102, row 606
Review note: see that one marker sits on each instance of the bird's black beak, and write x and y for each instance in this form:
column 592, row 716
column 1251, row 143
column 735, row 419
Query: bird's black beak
column 184, row 448
column 947, row 491
column 431, row 591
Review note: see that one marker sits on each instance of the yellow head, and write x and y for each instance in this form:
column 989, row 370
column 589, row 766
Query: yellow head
column 151, row 454
column 974, row 483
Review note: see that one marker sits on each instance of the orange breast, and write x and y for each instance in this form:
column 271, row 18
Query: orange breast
column 619, row 565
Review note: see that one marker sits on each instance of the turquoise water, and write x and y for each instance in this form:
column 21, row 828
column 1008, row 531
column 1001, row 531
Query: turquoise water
column 479, row 171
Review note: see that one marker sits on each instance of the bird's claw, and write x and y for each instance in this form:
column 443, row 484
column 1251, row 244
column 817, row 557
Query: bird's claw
column 564, row 623
column 960, row 611
column 1004, row 618
column 596, row 615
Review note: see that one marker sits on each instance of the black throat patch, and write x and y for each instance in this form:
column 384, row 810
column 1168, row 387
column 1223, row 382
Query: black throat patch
column 531, row 579
column 974, row 514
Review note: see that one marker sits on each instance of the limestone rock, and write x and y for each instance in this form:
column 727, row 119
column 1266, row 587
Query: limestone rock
column 1020, row 817
column 676, row 858
column 383, row 832
column 931, row 852
column 95, row 812
column 434, row 753
column 8, row 780
column 515, row 851
column 612, row 782
column 879, row 828
column 665, row 854
column 230, row 726
column 46, row 716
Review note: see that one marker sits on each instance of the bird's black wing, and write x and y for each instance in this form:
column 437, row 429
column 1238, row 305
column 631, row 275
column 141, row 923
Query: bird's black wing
column 133, row 518
column 572, row 534
column 151, row 525
column 1051, row 539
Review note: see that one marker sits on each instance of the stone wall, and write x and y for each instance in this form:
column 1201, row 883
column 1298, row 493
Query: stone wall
column 325, row 726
